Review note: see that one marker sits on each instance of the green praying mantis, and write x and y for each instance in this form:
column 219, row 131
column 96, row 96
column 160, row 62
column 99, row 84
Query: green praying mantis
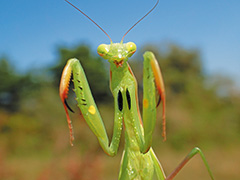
column 139, row 161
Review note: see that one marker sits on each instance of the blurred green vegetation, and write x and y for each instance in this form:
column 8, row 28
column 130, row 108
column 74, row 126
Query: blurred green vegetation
column 202, row 111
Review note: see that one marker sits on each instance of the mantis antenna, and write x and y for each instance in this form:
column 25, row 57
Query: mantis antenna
column 140, row 20
column 104, row 30
column 89, row 19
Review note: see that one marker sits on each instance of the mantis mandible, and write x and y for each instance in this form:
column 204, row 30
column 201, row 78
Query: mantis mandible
column 139, row 161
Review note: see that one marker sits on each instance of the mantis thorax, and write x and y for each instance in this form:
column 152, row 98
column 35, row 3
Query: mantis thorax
column 117, row 53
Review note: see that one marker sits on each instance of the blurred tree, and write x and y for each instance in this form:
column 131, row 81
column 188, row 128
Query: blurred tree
column 93, row 66
column 182, row 67
column 13, row 86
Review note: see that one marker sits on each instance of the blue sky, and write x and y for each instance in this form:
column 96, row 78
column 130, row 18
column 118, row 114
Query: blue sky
column 31, row 31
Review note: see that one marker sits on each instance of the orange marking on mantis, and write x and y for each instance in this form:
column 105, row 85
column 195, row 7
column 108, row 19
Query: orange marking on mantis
column 161, row 91
column 118, row 64
column 63, row 92
column 64, row 83
column 145, row 103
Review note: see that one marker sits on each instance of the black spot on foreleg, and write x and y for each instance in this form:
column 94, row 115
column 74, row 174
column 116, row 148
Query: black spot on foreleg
column 120, row 101
column 128, row 99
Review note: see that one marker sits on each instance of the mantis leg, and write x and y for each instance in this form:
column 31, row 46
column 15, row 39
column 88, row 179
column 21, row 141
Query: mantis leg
column 123, row 174
column 152, row 80
column 157, row 166
column 193, row 152
column 88, row 107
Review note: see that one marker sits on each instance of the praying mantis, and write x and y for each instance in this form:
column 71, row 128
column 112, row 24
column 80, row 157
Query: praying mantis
column 139, row 161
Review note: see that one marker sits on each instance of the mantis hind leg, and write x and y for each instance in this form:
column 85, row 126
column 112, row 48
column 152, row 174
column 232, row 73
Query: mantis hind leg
column 157, row 166
column 193, row 152
column 123, row 175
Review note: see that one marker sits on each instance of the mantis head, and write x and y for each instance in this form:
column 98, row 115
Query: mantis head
column 117, row 53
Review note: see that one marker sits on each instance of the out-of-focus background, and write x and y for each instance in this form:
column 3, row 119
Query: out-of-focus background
column 197, row 46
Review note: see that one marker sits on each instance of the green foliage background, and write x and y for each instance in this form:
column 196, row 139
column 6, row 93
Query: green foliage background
column 202, row 111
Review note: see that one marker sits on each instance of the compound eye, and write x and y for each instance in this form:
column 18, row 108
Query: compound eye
column 131, row 48
column 102, row 50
